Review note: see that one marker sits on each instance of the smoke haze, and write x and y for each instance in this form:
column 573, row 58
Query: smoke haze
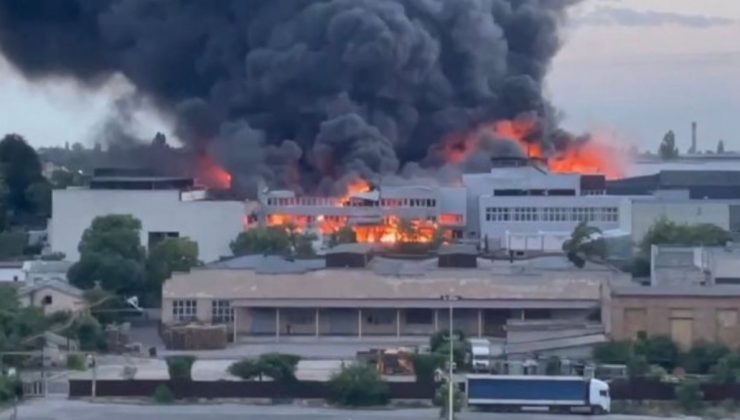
column 303, row 94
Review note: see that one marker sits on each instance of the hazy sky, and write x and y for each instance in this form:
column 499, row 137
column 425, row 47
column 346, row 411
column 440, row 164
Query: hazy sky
column 634, row 68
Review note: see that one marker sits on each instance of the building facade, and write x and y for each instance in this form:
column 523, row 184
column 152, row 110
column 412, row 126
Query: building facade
column 381, row 300
column 213, row 224
column 688, row 314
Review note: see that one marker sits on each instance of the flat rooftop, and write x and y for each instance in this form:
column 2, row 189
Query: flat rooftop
column 347, row 287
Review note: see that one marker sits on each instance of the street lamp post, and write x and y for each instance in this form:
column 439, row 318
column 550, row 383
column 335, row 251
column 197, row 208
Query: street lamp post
column 450, row 381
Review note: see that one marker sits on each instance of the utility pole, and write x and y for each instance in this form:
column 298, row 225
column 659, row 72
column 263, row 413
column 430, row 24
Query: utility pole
column 450, row 380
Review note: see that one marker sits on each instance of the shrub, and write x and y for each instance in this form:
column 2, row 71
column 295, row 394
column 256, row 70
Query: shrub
column 163, row 395
column 75, row 362
column 439, row 344
column 689, row 396
column 10, row 388
column 612, row 352
column 425, row 365
column 246, row 369
column 358, row 386
column 727, row 369
column 279, row 367
column 180, row 366
column 442, row 399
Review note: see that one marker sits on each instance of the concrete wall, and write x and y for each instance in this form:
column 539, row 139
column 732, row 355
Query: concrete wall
column 713, row 319
column 646, row 213
column 212, row 224
column 12, row 275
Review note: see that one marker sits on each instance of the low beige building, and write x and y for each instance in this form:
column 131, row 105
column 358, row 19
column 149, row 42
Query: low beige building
column 371, row 301
column 686, row 314
column 52, row 296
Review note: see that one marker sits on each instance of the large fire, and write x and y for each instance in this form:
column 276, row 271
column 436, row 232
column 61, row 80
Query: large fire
column 211, row 175
column 390, row 230
column 592, row 156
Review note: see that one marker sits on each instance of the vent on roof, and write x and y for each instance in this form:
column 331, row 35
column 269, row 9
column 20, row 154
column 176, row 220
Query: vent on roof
column 349, row 255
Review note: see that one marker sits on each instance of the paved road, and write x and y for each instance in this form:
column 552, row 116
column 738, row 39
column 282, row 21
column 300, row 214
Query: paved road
column 62, row 409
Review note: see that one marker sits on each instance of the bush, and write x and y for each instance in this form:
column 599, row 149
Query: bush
column 358, row 386
column 658, row 350
column 425, row 366
column 246, row 369
column 10, row 389
column 75, row 362
column 279, row 367
column 689, row 396
column 637, row 367
column 702, row 356
column 163, row 395
column 180, row 366
column 727, row 369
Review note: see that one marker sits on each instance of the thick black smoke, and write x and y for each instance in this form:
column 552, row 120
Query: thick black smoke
column 303, row 93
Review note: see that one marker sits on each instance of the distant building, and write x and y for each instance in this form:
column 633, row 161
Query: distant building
column 700, row 184
column 52, row 296
column 37, row 271
column 695, row 266
column 687, row 314
column 389, row 297
column 167, row 207
column 12, row 272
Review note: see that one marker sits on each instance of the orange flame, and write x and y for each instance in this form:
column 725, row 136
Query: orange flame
column 211, row 175
column 593, row 156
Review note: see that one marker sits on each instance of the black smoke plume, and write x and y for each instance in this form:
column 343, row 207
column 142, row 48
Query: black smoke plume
column 303, row 93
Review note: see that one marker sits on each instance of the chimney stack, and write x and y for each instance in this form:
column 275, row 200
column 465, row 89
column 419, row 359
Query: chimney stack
column 692, row 150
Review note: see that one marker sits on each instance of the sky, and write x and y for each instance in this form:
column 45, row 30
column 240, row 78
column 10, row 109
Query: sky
column 629, row 69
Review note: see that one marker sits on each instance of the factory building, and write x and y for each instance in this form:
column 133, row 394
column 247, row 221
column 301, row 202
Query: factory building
column 166, row 206
column 517, row 197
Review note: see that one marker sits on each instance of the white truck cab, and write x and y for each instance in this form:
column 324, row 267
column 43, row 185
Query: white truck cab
column 480, row 352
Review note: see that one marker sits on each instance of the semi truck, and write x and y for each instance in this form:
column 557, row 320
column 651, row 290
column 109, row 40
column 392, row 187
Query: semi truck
column 554, row 393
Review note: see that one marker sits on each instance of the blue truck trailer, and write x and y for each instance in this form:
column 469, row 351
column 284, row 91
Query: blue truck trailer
column 555, row 393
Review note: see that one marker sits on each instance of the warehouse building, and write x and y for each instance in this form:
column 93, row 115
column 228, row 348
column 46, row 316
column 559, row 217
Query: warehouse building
column 166, row 206
column 387, row 298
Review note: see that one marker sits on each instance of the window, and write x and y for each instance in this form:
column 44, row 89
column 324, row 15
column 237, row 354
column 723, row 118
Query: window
column 419, row 316
column 47, row 300
column 222, row 312
column 381, row 317
column 604, row 393
column 184, row 310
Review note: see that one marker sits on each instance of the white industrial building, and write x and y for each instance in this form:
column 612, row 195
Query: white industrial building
column 166, row 207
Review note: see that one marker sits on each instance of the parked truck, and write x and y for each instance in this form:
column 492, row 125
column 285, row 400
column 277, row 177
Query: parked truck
column 555, row 393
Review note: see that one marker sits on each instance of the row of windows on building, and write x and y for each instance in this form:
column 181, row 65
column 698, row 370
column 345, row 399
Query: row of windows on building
column 552, row 214
column 187, row 310
column 335, row 202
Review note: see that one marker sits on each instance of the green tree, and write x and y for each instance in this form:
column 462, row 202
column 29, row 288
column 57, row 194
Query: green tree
column 658, row 350
column 553, row 366
column 303, row 246
column 20, row 167
column 668, row 149
column 163, row 395
column 111, row 255
column 702, row 356
column 439, row 344
column 585, row 244
column 269, row 240
column 425, row 366
column 637, row 367
column 4, row 192
column 720, row 147
column 358, row 386
column 727, row 369
column 666, row 232
column 166, row 257
column 38, row 195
